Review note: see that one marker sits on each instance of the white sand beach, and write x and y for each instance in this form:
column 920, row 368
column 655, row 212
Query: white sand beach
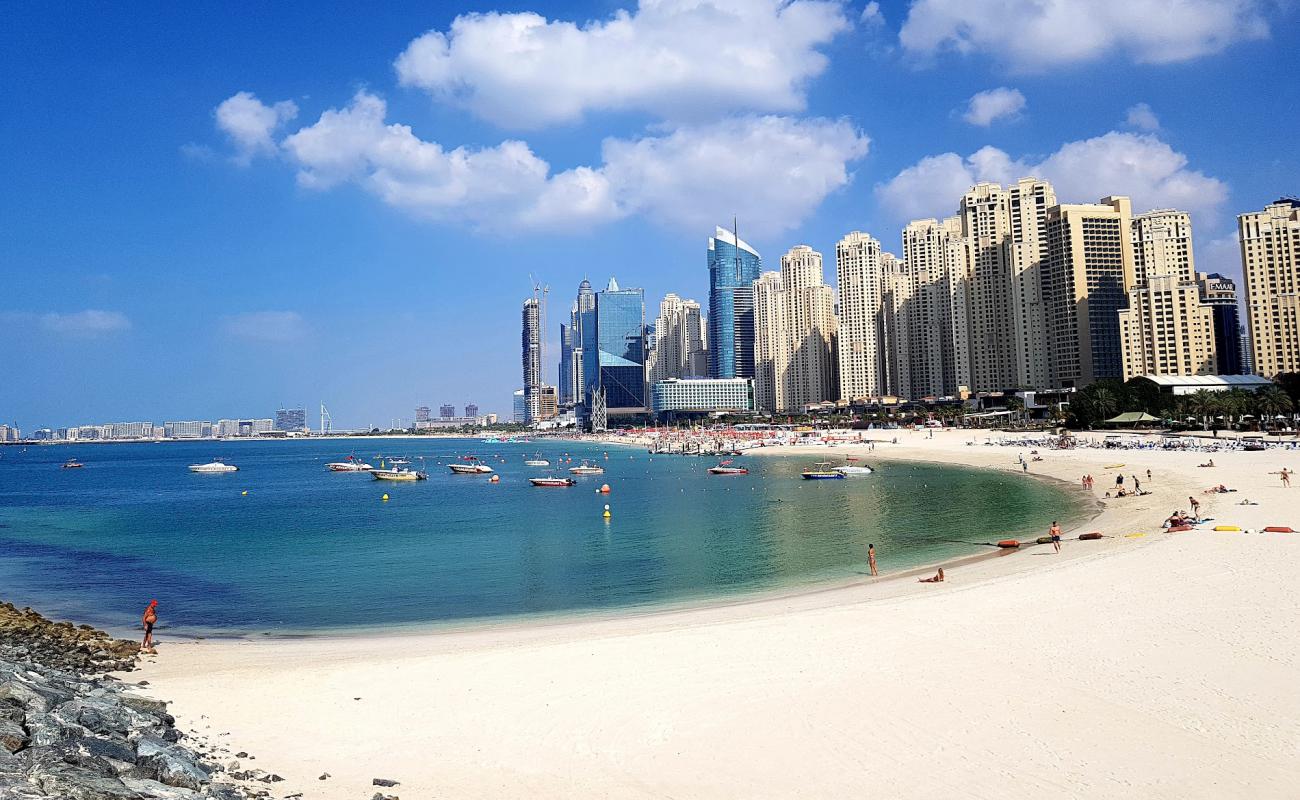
column 1141, row 666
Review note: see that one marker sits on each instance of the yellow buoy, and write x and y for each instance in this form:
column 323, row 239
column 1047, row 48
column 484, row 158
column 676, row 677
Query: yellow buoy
column 385, row 497
column 607, row 514
column 1226, row 528
column 244, row 493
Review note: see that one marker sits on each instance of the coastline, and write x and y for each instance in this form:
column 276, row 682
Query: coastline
column 1139, row 666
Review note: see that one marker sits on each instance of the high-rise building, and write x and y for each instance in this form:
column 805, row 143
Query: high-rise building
column 422, row 414
column 519, row 408
column 532, row 357
column 1162, row 246
column 291, row 419
column 733, row 268
column 1166, row 329
column 935, row 257
column 446, row 411
column 795, row 335
column 1270, row 260
column 190, row 429
column 564, row 371
column 678, row 341
column 471, row 410
column 895, row 302
column 1219, row 292
column 1089, row 266
column 863, row 348
column 586, row 355
column 620, row 349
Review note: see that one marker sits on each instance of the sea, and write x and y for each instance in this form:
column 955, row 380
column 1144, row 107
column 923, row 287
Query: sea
column 286, row 547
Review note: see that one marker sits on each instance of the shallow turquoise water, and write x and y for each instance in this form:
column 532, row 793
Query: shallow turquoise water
column 308, row 550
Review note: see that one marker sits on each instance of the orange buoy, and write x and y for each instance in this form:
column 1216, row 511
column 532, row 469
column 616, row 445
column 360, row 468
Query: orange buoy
column 1279, row 529
column 494, row 479
column 1008, row 543
column 604, row 488
column 1084, row 537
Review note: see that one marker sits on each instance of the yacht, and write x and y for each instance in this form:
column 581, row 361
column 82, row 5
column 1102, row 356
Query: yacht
column 853, row 469
column 536, row 461
column 470, row 466
column 822, row 471
column 73, row 463
column 352, row 464
column 553, row 481
column 725, row 468
column 587, row 468
column 213, row 467
column 399, row 474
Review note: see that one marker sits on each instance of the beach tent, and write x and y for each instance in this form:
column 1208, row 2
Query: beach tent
column 1132, row 418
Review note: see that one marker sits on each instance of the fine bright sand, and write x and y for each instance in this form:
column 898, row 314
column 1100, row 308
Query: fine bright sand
column 1153, row 666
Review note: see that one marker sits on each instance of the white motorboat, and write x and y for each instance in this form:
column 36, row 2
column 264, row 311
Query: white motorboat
column 552, row 481
column 352, row 464
column 822, row 471
column 536, row 461
column 213, row 467
column 853, row 469
column 470, row 465
column 587, row 468
column 399, row 474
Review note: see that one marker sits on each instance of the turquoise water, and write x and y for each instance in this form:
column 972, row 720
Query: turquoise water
column 309, row 550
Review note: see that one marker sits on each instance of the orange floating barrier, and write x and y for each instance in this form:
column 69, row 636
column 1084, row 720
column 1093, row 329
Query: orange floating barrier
column 1008, row 543
column 1085, row 537
column 1279, row 529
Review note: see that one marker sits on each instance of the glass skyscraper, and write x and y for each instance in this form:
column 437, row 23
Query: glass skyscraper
column 733, row 268
column 621, row 345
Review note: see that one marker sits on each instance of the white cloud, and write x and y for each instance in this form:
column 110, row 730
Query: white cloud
column 871, row 14
column 677, row 59
column 90, row 323
column 1142, row 117
column 1138, row 165
column 1222, row 255
column 251, row 124
column 266, row 327
column 1038, row 34
column 772, row 170
column 993, row 104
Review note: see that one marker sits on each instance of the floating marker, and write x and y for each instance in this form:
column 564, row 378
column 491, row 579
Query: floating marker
column 385, row 497
column 244, row 493
column 607, row 514
column 604, row 489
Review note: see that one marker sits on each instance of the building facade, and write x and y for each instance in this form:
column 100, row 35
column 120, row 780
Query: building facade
column 796, row 330
column 1167, row 330
column 733, row 268
column 678, row 343
column 615, row 355
column 1162, row 246
column 863, row 348
column 531, row 354
column 291, row 419
column 1270, row 261
column 683, row 396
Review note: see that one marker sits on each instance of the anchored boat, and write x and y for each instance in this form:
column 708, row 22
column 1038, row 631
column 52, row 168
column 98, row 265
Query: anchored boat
column 215, row 466
column 470, row 466
column 553, row 481
column 399, row 474
column 822, row 471
column 352, row 464
column 536, row 461
column 853, row 469
column 587, row 468
column 73, row 463
column 726, row 468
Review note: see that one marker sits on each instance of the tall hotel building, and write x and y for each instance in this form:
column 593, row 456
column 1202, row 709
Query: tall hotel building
column 733, row 268
column 795, row 333
column 863, row 347
column 1270, row 260
column 1089, row 267
column 935, row 257
column 531, row 346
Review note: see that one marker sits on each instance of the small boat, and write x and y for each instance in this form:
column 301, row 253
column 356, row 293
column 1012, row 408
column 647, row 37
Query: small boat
column 352, row 464
column 822, row 471
column 73, row 463
column 536, row 461
column 213, row 467
column 553, row 481
column 725, row 468
column 399, row 461
column 470, row 466
column 399, row 474
column 853, row 469
column 587, row 468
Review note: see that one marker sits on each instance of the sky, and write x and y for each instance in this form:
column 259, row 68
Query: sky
column 209, row 213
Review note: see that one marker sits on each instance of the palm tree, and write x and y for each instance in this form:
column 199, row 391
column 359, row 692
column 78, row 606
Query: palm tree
column 1271, row 401
column 1204, row 404
column 1105, row 402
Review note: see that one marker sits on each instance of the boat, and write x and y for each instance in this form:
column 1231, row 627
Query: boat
column 73, row 463
column 725, row 468
column 822, row 471
column 587, row 468
column 470, row 466
column 399, row 474
column 853, row 469
column 352, row 464
column 213, row 467
column 536, row 461
column 552, row 481
column 399, row 461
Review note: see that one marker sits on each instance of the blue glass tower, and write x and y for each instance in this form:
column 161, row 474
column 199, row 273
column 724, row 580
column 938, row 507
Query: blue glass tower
column 733, row 268
column 620, row 340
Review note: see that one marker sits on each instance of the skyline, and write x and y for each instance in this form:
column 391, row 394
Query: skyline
column 197, row 239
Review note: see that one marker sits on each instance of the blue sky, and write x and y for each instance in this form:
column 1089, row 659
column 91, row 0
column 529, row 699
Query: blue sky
column 214, row 214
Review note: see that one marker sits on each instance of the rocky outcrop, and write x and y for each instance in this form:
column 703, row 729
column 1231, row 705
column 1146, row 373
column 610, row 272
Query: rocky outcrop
column 69, row 730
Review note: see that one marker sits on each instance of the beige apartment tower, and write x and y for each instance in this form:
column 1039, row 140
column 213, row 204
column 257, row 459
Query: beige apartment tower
column 1089, row 267
column 678, row 345
column 863, row 349
column 1162, row 246
column 1167, row 330
column 1270, row 261
column 795, row 335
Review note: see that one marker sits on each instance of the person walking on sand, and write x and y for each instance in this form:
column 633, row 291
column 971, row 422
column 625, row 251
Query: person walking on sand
column 1286, row 478
column 149, row 618
column 1055, row 533
column 1196, row 508
column 871, row 559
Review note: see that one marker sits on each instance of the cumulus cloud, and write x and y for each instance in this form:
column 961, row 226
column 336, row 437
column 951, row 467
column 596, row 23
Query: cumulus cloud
column 251, row 124
column 773, row 170
column 91, row 323
column 266, row 327
column 1141, row 166
column 872, row 15
column 1039, row 34
column 989, row 106
column 1142, row 117
column 677, row 59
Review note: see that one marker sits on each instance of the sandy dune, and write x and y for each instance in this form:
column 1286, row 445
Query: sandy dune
column 1153, row 666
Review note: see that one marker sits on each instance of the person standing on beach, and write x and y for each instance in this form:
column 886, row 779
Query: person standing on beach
column 1148, row 475
column 149, row 618
column 1055, row 533
column 1196, row 508
column 1119, row 479
column 871, row 559
column 1286, row 478
column 1137, row 484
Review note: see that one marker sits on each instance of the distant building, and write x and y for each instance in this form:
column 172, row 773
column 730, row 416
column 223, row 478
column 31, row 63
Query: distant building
column 471, row 410
column 1270, row 260
column 446, row 410
column 10, row 433
column 520, row 407
column 189, row 429
column 1220, row 294
column 291, row 419
column 422, row 414
column 547, row 403
column 678, row 341
column 620, row 350
column 686, row 396
column 733, row 268
column 795, row 333
column 531, row 355
column 1166, row 329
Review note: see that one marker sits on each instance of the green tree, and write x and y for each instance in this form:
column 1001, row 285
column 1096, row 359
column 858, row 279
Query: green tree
column 1271, row 401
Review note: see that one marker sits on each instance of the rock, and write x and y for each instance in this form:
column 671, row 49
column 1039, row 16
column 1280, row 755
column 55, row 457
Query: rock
column 381, row 796
column 146, row 705
column 383, row 782
column 162, row 791
column 170, row 764
column 323, row 776
column 12, row 736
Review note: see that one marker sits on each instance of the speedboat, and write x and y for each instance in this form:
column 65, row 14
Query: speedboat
column 725, row 468
column 470, row 466
column 553, row 481
column 399, row 461
column 353, row 464
column 822, row 471
column 213, row 467
column 853, row 469
column 399, row 474
column 536, row 461
column 587, row 468
column 73, row 463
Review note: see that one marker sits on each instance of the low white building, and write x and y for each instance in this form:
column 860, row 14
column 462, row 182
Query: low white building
column 703, row 395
